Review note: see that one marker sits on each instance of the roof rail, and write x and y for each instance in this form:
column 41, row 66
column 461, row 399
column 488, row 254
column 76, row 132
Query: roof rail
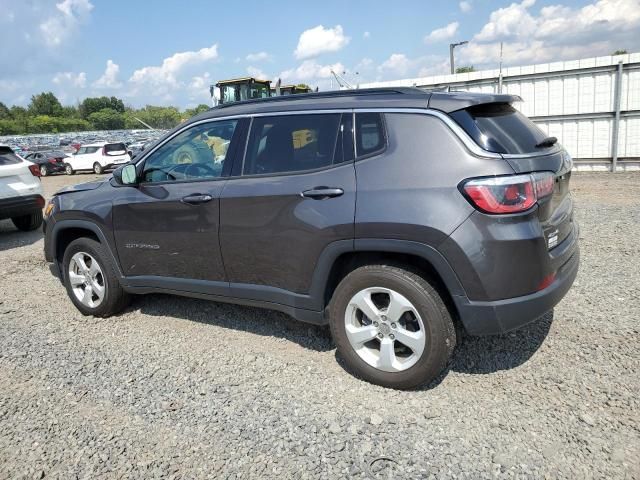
column 328, row 94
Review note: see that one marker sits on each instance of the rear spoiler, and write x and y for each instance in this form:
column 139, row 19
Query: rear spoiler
column 448, row 102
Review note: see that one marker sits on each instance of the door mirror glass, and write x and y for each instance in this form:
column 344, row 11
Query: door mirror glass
column 129, row 175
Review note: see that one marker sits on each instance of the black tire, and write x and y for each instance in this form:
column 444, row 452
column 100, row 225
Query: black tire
column 115, row 298
column 68, row 169
column 97, row 168
column 29, row 222
column 44, row 170
column 439, row 327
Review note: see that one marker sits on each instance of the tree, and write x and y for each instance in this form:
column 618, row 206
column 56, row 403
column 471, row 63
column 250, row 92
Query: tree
column 190, row 112
column 95, row 104
column 157, row 117
column 5, row 113
column 620, row 52
column 70, row 112
column 303, row 85
column 466, row 69
column 45, row 103
column 106, row 119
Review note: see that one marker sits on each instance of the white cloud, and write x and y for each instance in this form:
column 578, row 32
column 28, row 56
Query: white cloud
column 198, row 88
column 444, row 33
column 258, row 57
column 366, row 35
column 557, row 32
column 465, row 6
column 399, row 65
column 318, row 40
column 70, row 79
column 167, row 75
column 257, row 73
column 396, row 64
column 109, row 78
column 57, row 28
column 312, row 73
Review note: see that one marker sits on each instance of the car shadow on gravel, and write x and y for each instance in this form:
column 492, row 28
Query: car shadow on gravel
column 11, row 237
column 489, row 354
column 258, row 321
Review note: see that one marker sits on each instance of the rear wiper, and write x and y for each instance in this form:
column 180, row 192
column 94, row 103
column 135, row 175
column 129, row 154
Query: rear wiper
column 547, row 142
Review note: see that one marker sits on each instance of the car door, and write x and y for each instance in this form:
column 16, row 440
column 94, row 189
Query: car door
column 166, row 228
column 77, row 160
column 293, row 196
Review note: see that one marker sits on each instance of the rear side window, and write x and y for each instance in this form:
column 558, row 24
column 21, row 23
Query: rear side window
column 7, row 157
column 369, row 133
column 500, row 128
column 291, row 143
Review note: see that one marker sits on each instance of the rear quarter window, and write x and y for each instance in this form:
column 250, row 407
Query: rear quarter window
column 7, row 157
column 369, row 134
column 500, row 128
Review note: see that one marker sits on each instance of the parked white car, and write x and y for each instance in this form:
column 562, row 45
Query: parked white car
column 21, row 196
column 97, row 157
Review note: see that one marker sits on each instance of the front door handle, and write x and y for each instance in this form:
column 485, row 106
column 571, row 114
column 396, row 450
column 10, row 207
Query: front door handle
column 320, row 193
column 197, row 198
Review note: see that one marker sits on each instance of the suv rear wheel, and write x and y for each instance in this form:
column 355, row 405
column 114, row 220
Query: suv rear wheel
column 69, row 169
column 97, row 168
column 44, row 170
column 391, row 327
column 90, row 279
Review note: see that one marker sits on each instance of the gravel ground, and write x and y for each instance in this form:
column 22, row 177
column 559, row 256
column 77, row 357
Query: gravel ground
column 182, row 388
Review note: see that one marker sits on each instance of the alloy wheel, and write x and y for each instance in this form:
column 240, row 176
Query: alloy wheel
column 87, row 280
column 385, row 329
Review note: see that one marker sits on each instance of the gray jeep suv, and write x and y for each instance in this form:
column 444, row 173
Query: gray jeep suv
column 393, row 215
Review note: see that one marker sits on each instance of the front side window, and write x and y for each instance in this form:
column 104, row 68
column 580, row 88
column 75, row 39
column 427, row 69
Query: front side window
column 291, row 143
column 369, row 133
column 197, row 153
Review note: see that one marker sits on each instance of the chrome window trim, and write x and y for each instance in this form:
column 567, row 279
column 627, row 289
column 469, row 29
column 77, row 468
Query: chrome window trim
column 468, row 142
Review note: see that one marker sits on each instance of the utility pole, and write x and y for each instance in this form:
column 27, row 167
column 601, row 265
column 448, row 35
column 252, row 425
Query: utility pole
column 451, row 60
column 500, row 74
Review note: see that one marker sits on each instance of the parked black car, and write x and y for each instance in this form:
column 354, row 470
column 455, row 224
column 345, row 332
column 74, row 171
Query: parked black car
column 393, row 215
column 48, row 162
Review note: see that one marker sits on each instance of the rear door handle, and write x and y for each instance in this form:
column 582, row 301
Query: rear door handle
column 197, row 198
column 320, row 193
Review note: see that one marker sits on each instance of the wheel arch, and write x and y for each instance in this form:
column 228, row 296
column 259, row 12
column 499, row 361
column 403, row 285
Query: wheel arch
column 66, row 231
column 421, row 258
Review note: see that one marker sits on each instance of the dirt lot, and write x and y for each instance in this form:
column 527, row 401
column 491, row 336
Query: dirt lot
column 183, row 388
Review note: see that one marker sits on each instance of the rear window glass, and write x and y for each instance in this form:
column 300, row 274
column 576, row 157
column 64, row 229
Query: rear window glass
column 292, row 143
column 114, row 148
column 7, row 157
column 500, row 128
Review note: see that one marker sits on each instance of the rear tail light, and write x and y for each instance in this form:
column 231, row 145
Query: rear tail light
column 35, row 170
column 508, row 194
column 53, row 160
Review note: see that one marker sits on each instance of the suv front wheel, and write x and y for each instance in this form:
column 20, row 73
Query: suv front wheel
column 391, row 327
column 90, row 279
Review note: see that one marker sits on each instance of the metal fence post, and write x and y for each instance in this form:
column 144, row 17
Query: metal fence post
column 616, row 120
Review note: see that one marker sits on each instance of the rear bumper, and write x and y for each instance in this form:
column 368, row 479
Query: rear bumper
column 18, row 206
column 500, row 316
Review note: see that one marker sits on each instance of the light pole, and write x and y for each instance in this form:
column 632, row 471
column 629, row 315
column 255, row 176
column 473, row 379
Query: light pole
column 451, row 47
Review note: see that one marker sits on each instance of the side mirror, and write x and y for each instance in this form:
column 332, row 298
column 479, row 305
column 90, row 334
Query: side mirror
column 126, row 175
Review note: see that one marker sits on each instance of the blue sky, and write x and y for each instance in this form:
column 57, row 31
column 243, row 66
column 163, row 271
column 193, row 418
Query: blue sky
column 168, row 52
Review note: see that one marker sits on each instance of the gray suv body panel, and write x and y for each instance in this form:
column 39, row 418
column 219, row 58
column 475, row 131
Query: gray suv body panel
column 259, row 242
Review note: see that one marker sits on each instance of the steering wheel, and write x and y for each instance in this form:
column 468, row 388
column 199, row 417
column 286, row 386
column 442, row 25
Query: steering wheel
column 186, row 167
